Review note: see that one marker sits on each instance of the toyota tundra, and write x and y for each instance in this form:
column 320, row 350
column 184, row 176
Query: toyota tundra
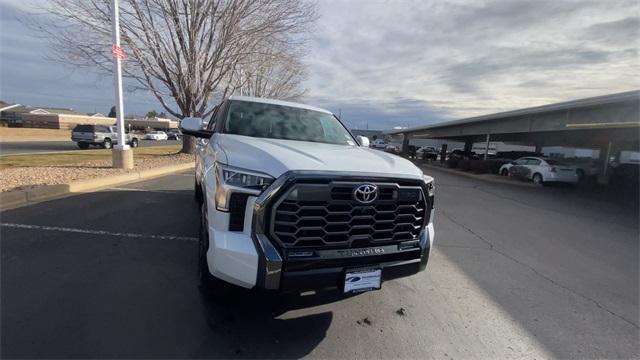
column 292, row 201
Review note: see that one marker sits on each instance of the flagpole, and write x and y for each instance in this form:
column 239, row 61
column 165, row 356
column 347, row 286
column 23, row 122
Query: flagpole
column 121, row 154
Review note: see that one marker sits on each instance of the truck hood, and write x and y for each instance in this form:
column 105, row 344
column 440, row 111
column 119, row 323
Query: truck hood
column 275, row 157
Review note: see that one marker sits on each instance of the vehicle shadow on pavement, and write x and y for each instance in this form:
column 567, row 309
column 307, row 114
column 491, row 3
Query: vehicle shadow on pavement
column 254, row 324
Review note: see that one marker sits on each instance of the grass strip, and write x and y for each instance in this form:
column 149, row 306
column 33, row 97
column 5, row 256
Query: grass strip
column 79, row 156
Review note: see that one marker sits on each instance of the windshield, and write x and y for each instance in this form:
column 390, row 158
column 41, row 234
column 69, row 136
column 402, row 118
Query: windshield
column 285, row 122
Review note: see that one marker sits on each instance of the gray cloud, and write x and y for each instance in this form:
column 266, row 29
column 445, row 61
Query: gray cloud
column 622, row 31
column 397, row 63
column 465, row 58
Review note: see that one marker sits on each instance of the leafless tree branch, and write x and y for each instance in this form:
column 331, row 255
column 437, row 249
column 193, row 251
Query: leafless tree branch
column 188, row 53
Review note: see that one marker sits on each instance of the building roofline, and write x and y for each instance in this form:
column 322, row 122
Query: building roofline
column 9, row 107
column 571, row 104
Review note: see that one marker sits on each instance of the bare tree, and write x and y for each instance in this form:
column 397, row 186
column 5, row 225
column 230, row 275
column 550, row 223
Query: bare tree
column 272, row 72
column 186, row 53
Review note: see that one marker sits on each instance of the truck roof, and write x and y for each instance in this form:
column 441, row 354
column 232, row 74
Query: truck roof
column 278, row 102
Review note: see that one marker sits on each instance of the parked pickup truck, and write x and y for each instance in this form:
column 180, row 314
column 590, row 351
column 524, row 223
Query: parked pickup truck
column 101, row 135
column 292, row 201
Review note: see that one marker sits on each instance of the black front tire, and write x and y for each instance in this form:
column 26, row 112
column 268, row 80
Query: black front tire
column 107, row 144
column 197, row 190
column 504, row 172
column 537, row 179
column 134, row 143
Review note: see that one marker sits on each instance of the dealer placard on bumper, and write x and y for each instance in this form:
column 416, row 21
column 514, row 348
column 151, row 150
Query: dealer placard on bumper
column 362, row 280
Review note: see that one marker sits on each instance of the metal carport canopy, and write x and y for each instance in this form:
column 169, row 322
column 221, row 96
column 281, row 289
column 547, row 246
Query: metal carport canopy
column 584, row 122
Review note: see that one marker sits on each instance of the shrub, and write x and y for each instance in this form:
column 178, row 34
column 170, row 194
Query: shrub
column 452, row 163
column 496, row 164
column 464, row 164
column 479, row 166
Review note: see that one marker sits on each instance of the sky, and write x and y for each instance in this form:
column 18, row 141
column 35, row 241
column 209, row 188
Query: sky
column 382, row 64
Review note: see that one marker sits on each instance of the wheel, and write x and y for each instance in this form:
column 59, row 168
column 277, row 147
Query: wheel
column 504, row 172
column 537, row 179
column 580, row 173
column 107, row 144
column 204, row 276
column 134, row 143
column 83, row 145
column 197, row 190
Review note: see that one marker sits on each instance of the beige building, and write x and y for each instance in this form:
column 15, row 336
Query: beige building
column 17, row 115
column 67, row 122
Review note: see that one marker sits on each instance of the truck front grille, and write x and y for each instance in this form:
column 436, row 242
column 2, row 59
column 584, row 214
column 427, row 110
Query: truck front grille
column 317, row 215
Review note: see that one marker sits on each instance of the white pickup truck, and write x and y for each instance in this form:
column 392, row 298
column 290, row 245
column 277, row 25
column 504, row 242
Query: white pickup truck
column 100, row 135
column 291, row 201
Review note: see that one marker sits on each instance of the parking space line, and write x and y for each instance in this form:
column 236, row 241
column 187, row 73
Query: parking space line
column 146, row 190
column 96, row 232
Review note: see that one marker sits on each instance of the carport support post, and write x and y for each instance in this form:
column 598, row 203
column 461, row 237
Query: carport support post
column 486, row 146
column 605, row 154
column 468, row 145
column 405, row 145
column 121, row 155
column 538, row 149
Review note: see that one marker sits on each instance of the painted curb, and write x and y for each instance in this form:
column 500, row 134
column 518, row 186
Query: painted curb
column 18, row 198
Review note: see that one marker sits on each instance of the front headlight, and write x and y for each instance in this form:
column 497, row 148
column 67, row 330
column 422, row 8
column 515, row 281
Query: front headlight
column 231, row 179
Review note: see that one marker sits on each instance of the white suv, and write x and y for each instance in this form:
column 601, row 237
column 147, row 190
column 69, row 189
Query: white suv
column 292, row 201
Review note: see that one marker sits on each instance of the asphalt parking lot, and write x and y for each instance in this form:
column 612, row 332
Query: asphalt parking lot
column 30, row 147
column 517, row 272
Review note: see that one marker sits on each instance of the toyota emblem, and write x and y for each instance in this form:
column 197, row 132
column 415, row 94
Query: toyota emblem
column 365, row 193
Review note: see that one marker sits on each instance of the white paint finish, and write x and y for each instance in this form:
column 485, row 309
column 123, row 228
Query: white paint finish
column 96, row 232
column 232, row 256
column 275, row 157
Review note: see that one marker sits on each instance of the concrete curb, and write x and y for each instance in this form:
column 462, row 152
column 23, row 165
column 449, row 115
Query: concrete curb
column 483, row 177
column 18, row 198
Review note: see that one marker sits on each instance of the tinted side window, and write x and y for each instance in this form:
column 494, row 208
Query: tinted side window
column 533, row 162
column 521, row 161
column 217, row 120
column 83, row 128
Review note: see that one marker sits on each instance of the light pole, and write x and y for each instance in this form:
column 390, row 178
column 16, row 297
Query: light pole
column 122, row 155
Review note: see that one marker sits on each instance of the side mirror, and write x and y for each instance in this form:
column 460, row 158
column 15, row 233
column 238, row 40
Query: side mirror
column 191, row 124
column 363, row 141
column 194, row 126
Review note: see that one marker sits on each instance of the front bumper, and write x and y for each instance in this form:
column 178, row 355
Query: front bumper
column 251, row 260
column 407, row 264
column 566, row 177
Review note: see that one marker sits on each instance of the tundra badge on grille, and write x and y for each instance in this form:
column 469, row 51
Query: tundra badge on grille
column 365, row 193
